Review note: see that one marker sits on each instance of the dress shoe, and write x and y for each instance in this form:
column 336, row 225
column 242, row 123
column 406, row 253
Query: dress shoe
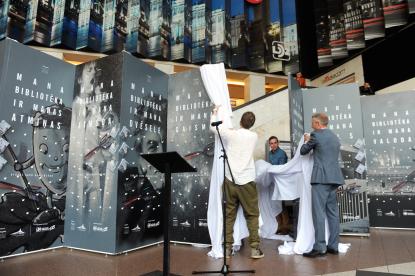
column 332, row 251
column 256, row 253
column 314, row 253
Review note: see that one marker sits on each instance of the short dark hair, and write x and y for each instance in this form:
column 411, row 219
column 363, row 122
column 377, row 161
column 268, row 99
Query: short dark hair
column 248, row 120
column 273, row 137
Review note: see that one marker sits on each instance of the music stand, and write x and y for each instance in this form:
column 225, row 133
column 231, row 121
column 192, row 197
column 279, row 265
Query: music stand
column 225, row 268
column 167, row 163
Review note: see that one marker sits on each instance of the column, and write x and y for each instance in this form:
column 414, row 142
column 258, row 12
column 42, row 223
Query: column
column 254, row 87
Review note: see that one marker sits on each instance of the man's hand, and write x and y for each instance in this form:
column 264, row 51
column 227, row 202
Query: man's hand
column 306, row 137
column 215, row 109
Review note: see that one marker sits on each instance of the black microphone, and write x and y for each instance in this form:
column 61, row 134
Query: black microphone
column 216, row 123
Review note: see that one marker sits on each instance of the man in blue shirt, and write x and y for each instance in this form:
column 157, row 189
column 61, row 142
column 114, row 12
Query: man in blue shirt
column 276, row 155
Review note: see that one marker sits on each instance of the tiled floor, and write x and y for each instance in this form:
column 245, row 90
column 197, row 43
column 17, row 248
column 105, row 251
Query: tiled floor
column 390, row 251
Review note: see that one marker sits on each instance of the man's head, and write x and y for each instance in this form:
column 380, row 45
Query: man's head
column 299, row 75
column 273, row 143
column 247, row 120
column 319, row 121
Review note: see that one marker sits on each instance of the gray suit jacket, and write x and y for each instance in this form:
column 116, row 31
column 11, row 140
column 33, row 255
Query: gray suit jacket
column 326, row 146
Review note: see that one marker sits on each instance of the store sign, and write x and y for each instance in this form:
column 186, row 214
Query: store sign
column 349, row 72
column 279, row 51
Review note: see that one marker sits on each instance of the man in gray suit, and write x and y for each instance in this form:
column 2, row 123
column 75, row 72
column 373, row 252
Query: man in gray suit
column 325, row 179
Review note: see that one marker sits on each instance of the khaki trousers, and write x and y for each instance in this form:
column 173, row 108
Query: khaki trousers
column 247, row 196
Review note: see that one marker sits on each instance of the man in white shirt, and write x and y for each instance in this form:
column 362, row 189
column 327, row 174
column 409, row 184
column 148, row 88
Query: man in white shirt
column 240, row 187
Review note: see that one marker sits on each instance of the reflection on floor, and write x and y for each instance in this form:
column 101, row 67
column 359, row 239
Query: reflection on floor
column 385, row 251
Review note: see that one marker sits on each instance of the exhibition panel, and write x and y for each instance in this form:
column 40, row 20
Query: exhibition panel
column 189, row 134
column 37, row 93
column 145, row 94
column 342, row 104
column 90, row 216
column 391, row 154
column 115, row 202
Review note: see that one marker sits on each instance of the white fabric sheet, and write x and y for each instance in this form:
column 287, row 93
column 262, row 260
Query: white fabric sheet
column 286, row 182
column 214, row 79
column 290, row 181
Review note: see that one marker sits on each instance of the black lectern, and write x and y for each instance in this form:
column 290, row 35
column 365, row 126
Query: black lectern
column 167, row 163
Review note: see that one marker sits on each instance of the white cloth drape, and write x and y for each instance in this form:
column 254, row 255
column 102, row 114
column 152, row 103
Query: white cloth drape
column 286, row 182
column 290, row 181
column 214, row 79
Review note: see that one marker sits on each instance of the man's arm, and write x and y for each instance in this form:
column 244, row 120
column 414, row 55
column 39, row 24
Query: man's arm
column 309, row 145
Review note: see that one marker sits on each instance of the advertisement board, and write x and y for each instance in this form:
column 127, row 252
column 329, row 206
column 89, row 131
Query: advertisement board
column 114, row 204
column 236, row 34
column 49, row 22
column 198, row 31
column 255, row 25
column 101, row 25
column 290, row 36
column 342, row 105
column 322, row 33
column 177, row 29
column 373, row 19
column 273, row 32
column 22, row 19
column 396, row 12
column 390, row 149
column 76, row 23
column 215, row 21
column 37, row 92
column 353, row 24
column 189, row 134
column 338, row 43
column 4, row 10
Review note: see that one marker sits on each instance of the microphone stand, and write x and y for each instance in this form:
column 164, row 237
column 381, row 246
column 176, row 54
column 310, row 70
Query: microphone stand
column 225, row 268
